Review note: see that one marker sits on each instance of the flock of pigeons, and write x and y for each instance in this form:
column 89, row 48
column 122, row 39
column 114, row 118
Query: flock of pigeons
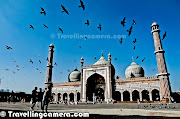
column 64, row 10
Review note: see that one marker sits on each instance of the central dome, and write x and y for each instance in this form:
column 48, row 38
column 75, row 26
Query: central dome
column 74, row 76
column 102, row 60
column 134, row 70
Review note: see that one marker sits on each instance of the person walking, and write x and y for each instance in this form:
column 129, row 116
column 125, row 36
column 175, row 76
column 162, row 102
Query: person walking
column 34, row 97
column 40, row 97
column 46, row 98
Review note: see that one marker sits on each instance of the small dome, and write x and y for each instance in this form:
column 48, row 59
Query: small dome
column 74, row 76
column 102, row 60
column 154, row 24
column 134, row 70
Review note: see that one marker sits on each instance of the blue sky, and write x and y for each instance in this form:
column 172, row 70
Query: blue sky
column 15, row 17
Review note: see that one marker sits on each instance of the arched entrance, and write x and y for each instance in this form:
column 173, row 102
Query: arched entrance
column 126, row 96
column 117, row 96
column 95, row 84
column 59, row 97
column 135, row 95
column 64, row 95
column 78, row 96
column 155, row 95
column 145, row 95
column 71, row 95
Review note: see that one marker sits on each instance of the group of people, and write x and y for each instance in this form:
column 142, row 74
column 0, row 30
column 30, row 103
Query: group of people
column 42, row 97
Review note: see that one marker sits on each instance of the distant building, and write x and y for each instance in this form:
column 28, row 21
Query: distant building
column 98, row 81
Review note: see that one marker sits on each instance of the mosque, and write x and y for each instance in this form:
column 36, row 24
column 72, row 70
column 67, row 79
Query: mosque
column 97, row 81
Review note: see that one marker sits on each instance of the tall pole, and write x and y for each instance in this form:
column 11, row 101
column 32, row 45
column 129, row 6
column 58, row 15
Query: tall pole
column 49, row 66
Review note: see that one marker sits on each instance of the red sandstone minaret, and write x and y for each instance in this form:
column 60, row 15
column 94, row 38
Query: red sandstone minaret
column 49, row 67
column 163, row 74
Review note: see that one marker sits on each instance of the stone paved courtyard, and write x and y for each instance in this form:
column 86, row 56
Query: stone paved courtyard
column 110, row 110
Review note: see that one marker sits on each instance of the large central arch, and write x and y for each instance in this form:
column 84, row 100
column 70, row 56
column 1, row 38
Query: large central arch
column 95, row 84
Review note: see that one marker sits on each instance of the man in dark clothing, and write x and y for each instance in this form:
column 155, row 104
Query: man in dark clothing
column 40, row 97
column 34, row 97
column 46, row 98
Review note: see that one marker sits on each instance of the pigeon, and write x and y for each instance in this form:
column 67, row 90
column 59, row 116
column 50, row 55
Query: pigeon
column 115, row 58
column 143, row 59
column 55, row 64
column 137, row 57
column 164, row 35
column 8, row 47
column 133, row 22
column 134, row 40
column 61, row 72
column 45, row 26
column 6, row 69
column 31, row 61
column 154, row 69
column 69, row 70
column 64, row 9
column 94, row 58
column 14, row 72
column 87, row 23
column 37, row 69
column 43, row 12
column 123, row 21
column 121, row 40
column 85, row 38
column 14, row 60
column 79, row 46
column 99, row 27
column 134, row 47
column 18, row 69
column 40, row 61
column 17, row 66
column 60, row 30
column 74, row 60
column 82, row 5
column 130, row 30
column 47, row 59
column 31, row 26
column 40, row 72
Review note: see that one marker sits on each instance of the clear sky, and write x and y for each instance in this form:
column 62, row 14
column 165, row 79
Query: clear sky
column 16, row 15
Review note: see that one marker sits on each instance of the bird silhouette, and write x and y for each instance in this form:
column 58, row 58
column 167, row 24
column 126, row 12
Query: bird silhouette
column 43, row 11
column 17, row 66
column 45, row 26
column 64, row 9
column 55, row 64
column 18, row 69
column 69, row 70
column 8, row 47
column 87, row 23
column 123, row 21
column 99, row 27
column 14, row 60
column 94, row 58
column 40, row 61
column 31, row 26
column 14, row 72
column 134, row 40
column 143, row 59
column 115, row 58
column 164, row 35
column 134, row 47
column 85, row 38
column 154, row 69
column 31, row 61
column 61, row 72
column 137, row 57
column 60, row 30
column 133, row 22
column 121, row 40
column 82, row 5
column 37, row 69
column 79, row 46
column 47, row 59
column 6, row 69
column 130, row 30
column 74, row 60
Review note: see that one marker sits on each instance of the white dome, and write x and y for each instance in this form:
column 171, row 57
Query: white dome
column 134, row 70
column 102, row 60
column 74, row 76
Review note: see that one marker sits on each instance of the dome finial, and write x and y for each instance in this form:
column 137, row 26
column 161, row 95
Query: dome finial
column 102, row 53
column 132, row 59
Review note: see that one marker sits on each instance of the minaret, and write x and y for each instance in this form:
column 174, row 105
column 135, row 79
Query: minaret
column 161, row 63
column 49, row 67
column 82, row 62
column 109, row 58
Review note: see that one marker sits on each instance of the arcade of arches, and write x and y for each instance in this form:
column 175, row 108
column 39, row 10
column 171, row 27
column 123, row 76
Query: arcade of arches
column 135, row 95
